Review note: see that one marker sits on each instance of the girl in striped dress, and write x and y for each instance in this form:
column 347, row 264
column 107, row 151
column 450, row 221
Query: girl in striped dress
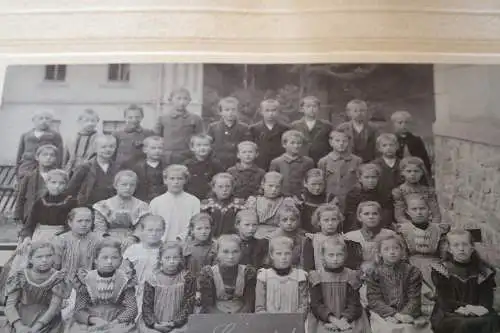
column 227, row 287
column 105, row 296
column 169, row 294
column 34, row 294
column 281, row 288
column 335, row 301
column 267, row 205
column 394, row 290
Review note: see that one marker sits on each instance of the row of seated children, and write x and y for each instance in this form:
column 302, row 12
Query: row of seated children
column 169, row 279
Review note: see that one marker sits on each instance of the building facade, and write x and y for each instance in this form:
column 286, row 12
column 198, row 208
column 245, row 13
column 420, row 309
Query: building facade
column 108, row 89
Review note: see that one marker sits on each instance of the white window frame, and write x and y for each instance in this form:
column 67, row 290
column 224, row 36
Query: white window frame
column 57, row 74
column 120, row 74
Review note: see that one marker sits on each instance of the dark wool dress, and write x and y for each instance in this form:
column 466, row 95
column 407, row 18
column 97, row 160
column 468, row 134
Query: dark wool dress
column 460, row 284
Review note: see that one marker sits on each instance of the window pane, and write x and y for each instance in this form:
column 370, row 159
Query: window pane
column 60, row 72
column 113, row 72
column 49, row 72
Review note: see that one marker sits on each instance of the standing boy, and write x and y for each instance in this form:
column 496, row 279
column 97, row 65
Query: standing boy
column 33, row 186
column 228, row 132
column 388, row 162
column 176, row 206
column 82, row 148
column 129, row 140
column 340, row 167
column 292, row 166
column 267, row 133
column 149, row 170
column 93, row 181
column 202, row 166
column 247, row 175
column 361, row 134
column 409, row 144
column 41, row 134
column 178, row 126
column 316, row 131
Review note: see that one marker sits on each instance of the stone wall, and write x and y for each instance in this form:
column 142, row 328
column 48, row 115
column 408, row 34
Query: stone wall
column 468, row 186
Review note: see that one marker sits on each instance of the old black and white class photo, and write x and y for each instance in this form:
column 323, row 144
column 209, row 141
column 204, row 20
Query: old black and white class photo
column 226, row 198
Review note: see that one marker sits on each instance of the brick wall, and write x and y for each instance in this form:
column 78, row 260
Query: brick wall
column 468, row 186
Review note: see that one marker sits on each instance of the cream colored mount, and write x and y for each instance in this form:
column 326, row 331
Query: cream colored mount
column 269, row 31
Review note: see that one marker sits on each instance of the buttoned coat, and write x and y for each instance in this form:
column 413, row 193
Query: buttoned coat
column 293, row 171
column 268, row 141
column 340, row 173
column 316, row 143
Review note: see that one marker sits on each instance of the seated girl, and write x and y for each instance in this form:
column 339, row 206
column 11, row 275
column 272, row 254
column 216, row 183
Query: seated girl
column 281, row 288
column 222, row 205
column 313, row 196
column 35, row 294
column 227, row 287
column 169, row 294
column 289, row 226
column 328, row 219
column 369, row 214
column 414, row 175
column 335, row 301
column 394, row 290
column 465, row 287
column 267, row 205
column 118, row 215
column 105, row 297
column 423, row 238
column 200, row 248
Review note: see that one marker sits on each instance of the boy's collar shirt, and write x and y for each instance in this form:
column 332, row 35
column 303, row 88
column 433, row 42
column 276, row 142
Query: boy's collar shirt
column 240, row 167
column 138, row 129
column 39, row 133
column 104, row 166
column 389, row 162
column 310, row 123
column 269, row 126
column 358, row 127
column 289, row 158
column 336, row 156
column 153, row 164
column 176, row 114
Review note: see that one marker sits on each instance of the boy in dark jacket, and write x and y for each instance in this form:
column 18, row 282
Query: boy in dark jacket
column 247, row 176
column 33, row 186
column 316, row 131
column 41, row 134
column 388, row 162
column 228, row 132
column 267, row 133
column 409, row 144
column 149, row 170
column 129, row 140
column 361, row 134
column 202, row 166
column 93, row 181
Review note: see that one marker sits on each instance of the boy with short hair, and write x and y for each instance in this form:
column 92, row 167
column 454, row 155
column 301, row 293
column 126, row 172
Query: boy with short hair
column 33, row 186
column 315, row 130
column 247, row 175
column 178, row 126
column 130, row 139
column 149, row 170
column 176, row 206
column 267, row 133
column 93, row 181
column 291, row 164
column 361, row 134
column 388, row 162
column 409, row 144
column 41, row 134
column 202, row 166
column 228, row 132
column 81, row 149
column 339, row 167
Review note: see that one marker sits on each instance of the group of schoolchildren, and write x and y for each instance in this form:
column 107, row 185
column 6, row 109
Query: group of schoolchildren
column 135, row 231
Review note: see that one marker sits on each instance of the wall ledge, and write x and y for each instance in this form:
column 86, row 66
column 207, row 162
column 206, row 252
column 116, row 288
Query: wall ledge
column 483, row 133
